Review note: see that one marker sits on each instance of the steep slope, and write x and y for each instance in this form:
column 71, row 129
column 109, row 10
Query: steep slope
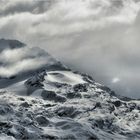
column 55, row 102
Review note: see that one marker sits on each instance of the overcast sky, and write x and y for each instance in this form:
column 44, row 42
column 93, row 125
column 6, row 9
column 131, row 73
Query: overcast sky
column 100, row 37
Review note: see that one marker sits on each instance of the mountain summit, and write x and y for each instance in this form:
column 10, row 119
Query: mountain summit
column 10, row 44
column 52, row 101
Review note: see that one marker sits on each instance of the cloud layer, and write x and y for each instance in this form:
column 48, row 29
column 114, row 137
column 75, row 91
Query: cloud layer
column 19, row 60
column 63, row 17
column 100, row 37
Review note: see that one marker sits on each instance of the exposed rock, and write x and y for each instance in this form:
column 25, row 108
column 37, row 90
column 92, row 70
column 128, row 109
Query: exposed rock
column 5, row 109
column 80, row 88
column 41, row 120
column 67, row 112
column 52, row 96
column 25, row 104
column 21, row 99
column 72, row 95
column 117, row 103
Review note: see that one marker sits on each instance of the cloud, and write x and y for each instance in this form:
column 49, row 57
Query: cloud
column 17, row 6
column 64, row 17
column 14, row 61
column 100, row 37
column 115, row 80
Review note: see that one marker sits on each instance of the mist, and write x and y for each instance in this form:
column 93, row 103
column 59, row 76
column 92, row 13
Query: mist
column 99, row 37
column 19, row 60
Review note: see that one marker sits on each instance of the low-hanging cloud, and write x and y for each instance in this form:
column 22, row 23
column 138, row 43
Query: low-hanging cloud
column 19, row 60
column 100, row 37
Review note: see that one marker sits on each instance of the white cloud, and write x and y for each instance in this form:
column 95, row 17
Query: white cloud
column 66, row 16
column 21, row 60
column 115, row 80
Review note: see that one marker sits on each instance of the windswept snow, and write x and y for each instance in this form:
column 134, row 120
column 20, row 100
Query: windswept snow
column 65, row 77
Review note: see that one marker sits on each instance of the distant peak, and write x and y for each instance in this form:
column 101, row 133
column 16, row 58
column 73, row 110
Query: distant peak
column 8, row 43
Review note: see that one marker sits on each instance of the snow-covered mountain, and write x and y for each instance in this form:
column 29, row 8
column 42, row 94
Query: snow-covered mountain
column 52, row 101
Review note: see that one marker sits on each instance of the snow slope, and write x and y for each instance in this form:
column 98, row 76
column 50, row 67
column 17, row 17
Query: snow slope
column 64, row 77
column 54, row 102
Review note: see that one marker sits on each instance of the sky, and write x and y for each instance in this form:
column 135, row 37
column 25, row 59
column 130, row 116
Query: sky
column 99, row 37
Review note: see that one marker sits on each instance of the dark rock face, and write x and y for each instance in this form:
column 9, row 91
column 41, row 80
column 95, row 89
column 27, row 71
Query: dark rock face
column 117, row 103
column 60, row 99
column 67, row 112
column 4, row 126
column 5, row 109
column 72, row 95
column 25, row 104
column 98, row 104
column 41, row 120
column 35, row 81
column 80, row 88
column 52, row 96
column 21, row 99
column 132, row 106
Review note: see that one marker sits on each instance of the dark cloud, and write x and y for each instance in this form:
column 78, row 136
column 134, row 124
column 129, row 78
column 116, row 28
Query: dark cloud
column 33, row 6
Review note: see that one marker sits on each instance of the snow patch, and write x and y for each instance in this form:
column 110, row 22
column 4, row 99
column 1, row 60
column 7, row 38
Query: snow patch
column 66, row 77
